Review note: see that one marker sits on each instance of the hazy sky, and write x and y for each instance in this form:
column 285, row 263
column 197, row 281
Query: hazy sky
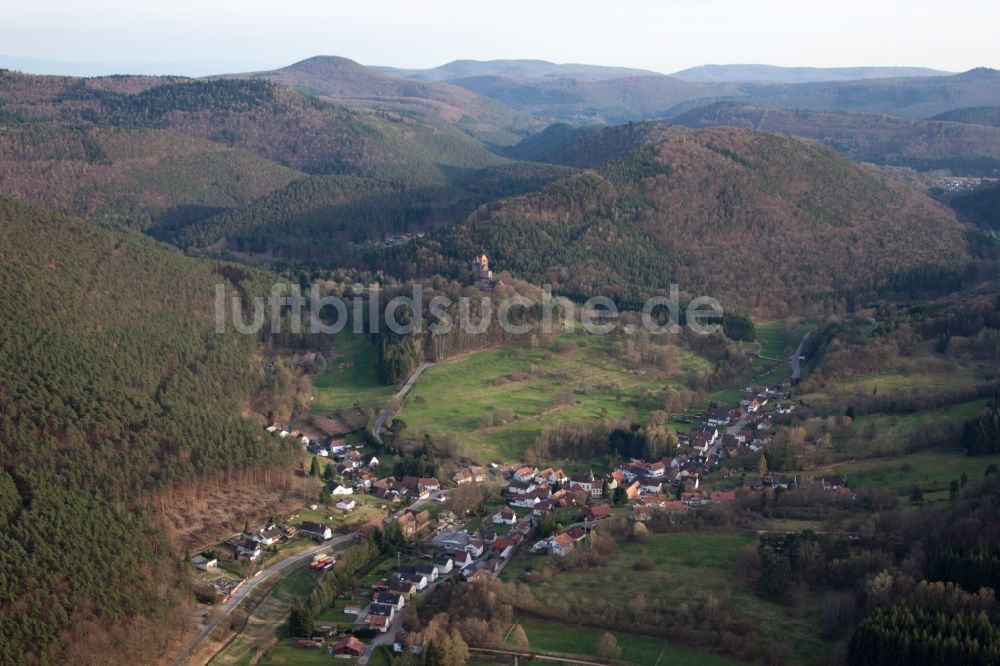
column 664, row 36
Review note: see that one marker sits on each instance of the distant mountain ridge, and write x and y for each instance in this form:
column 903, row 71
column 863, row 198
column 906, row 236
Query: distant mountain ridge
column 977, row 115
column 923, row 144
column 776, row 74
column 519, row 69
column 345, row 81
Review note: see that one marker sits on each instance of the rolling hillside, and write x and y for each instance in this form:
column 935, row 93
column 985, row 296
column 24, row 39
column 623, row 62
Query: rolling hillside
column 774, row 74
column 762, row 222
column 977, row 115
column 518, row 69
column 578, row 101
column 981, row 207
column 260, row 117
column 318, row 218
column 588, row 146
column 910, row 97
column 342, row 80
column 113, row 385
column 139, row 177
column 921, row 144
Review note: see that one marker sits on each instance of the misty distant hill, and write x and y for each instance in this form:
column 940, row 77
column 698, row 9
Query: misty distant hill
column 518, row 69
column 870, row 137
column 343, row 80
column 775, row 74
column 977, row 115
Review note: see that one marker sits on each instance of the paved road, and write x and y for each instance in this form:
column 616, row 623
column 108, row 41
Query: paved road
column 401, row 394
column 796, row 365
column 279, row 569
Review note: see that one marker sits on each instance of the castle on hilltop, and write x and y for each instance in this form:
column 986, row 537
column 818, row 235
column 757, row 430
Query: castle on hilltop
column 482, row 276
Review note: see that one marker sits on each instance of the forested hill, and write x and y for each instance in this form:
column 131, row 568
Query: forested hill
column 112, row 385
column 341, row 79
column 978, row 115
column 136, row 176
column 263, row 118
column 762, row 222
column 588, row 146
column 316, row 218
column 921, row 144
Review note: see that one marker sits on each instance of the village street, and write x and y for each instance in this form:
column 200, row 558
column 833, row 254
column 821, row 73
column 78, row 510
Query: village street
column 280, row 569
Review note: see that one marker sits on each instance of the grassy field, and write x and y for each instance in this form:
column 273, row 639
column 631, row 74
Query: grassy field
column 499, row 400
column 931, row 470
column 686, row 567
column 286, row 655
column 263, row 624
column 581, row 641
column 351, row 377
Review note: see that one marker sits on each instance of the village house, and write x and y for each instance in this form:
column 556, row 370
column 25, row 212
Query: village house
column 347, row 504
column 831, row 483
column 270, row 535
column 203, row 563
column 463, row 559
column 587, row 483
column 470, row 475
column 411, row 641
column 412, row 522
column 516, row 487
column 451, row 542
column 550, row 476
column 350, row 646
column 718, row 416
column 428, row 571
column 379, row 623
column 479, row 575
column 525, row 474
column 401, row 586
column 247, row 546
column 703, row 438
column 419, row 580
column 530, row 499
column 342, row 490
column 634, row 491
column 504, row 516
column 648, row 486
column 723, row 496
column 562, row 544
column 598, row 512
column 317, row 531
column 389, row 598
column 475, row 547
column 352, row 459
column 443, row 564
column 420, row 487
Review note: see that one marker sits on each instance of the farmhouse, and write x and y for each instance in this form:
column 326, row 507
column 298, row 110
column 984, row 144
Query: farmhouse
column 317, row 531
column 598, row 512
column 350, row 646
column 504, row 516
column 203, row 563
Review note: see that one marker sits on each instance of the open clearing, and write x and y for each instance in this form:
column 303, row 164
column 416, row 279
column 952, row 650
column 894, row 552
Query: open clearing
column 498, row 401
column 686, row 567
column 580, row 641
column 351, row 377
column 931, row 470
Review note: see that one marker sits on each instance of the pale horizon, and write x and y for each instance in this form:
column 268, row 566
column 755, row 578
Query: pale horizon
column 197, row 36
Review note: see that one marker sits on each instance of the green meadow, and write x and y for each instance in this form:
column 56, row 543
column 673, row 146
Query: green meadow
column 498, row 401
column 351, row 377
column 931, row 470
column 677, row 569
column 571, row 639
